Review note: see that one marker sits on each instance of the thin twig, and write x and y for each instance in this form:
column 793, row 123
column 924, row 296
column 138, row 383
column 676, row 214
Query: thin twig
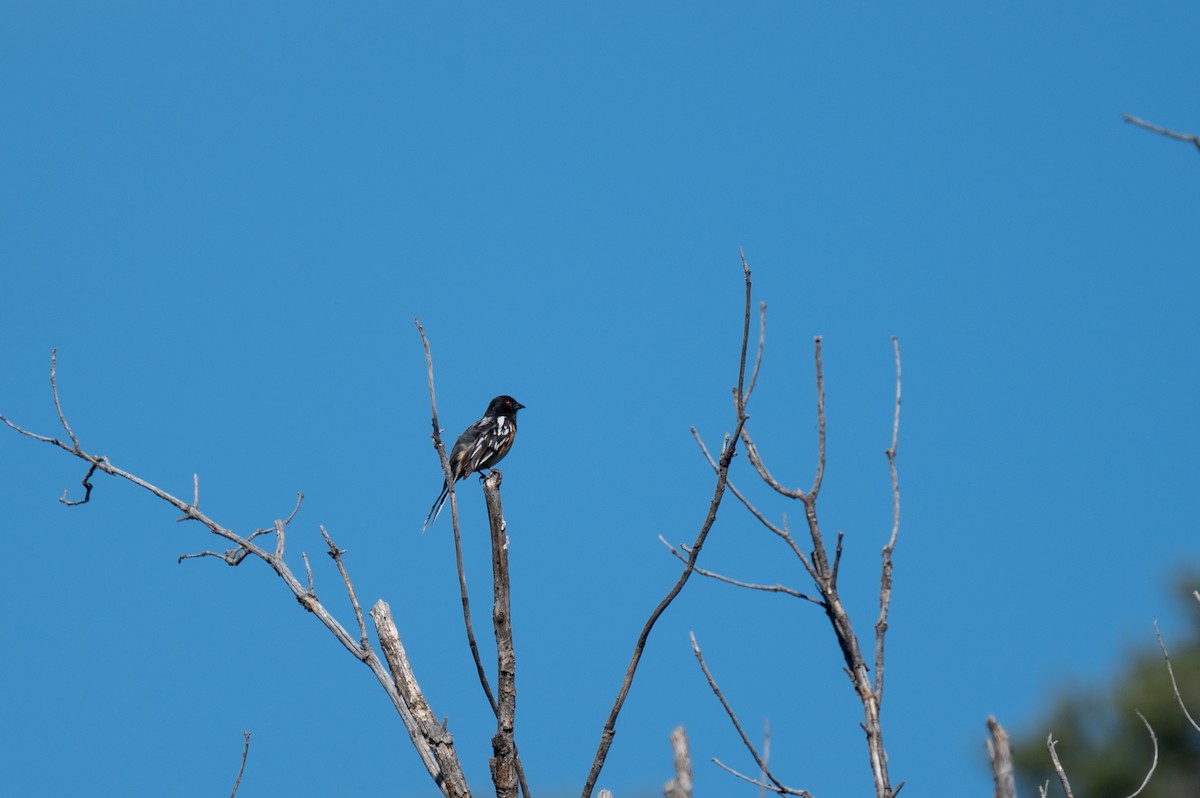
column 885, row 579
column 712, row 684
column 308, row 570
column 819, row 477
column 464, row 596
column 1058, row 768
column 1154, row 763
column 1194, row 139
column 609, row 730
column 781, row 532
column 1174, row 684
column 336, row 555
column 57, row 404
column 242, row 769
column 735, row 582
column 758, row 359
column 763, row 784
column 766, row 753
column 286, row 521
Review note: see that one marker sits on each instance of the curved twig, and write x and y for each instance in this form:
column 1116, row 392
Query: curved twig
column 1174, row 684
column 242, row 769
column 609, row 730
column 1154, row 762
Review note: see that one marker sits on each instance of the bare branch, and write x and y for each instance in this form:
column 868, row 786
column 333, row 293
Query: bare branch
column 766, row 753
column 433, row 742
column 820, row 475
column 286, row 521
column 885, row 579
column 458, row 555
column 505, row 764
column 308, row 570
column 748, row 585
column 762, row 784
column 727, row 453
column 1154, row 763
column 1162, row 131
column 336, row 555
column 999, row 749
column 57, row 404
column 781, row 532
column 762, row 335
column 242, row 769
column 681, row 785
column 1174, row 684
column 443, row 766
column 87, row 486
column 1058, row 768
column 758, row 760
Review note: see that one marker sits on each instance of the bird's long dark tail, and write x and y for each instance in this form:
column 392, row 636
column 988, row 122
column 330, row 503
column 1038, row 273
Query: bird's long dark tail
column 436, row 509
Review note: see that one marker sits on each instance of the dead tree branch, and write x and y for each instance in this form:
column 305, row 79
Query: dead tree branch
column 504, row 762
column 1174, row 684
column 824, row 573
column 775, row 786
column 435, row 748
column 999, row 749
column 1153, row 763
column 727, row 453
column 681, row 785
column 480, row 670
column 1162, row 131
column 506, row 759
column 245, row 751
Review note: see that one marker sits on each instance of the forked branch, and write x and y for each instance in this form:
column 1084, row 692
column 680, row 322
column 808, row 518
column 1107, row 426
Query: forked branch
column 823, row 570
column 433, row 744
column 727, row 453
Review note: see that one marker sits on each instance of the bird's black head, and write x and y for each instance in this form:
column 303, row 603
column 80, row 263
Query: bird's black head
column 504, row 406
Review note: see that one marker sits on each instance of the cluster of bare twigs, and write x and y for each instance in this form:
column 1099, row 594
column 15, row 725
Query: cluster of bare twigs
column 433, row 742
column 1000, row 754
column 822, row 568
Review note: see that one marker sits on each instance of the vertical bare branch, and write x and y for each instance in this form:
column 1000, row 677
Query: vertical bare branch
column 57, row 404
column 242, row 769
column 681, row 785
column 1058, row 768
column 609, row 730
column 458, row 556
column 820, row 474
column 885, row 580
column 335, row 554
column 999, row 749
column 504, row 763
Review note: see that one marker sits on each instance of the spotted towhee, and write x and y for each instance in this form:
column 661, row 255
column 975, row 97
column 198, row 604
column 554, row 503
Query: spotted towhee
column 481, row 446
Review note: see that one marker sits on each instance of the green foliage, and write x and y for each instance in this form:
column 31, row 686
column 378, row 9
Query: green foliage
column 1103, row 745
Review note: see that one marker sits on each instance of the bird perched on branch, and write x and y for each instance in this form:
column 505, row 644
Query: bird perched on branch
column 481, row 446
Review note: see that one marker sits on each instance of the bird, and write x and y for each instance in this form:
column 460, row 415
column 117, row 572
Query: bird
column 480, row 447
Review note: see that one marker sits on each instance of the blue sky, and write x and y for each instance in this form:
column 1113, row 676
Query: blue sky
column 226, row 216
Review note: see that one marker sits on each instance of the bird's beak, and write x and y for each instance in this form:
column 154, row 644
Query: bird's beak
column 520, row 406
